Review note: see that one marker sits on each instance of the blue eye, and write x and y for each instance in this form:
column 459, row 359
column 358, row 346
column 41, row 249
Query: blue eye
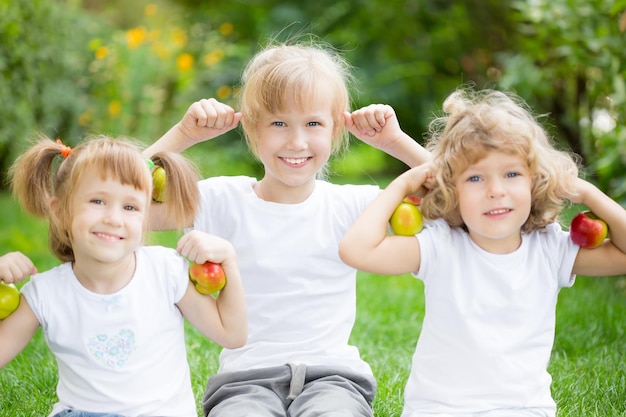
column 280, row 124
column 512, row 174
column 474, row 178
column 313, row 124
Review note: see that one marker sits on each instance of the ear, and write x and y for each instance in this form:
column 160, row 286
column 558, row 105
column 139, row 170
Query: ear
column 53, row 204
column 55, row 207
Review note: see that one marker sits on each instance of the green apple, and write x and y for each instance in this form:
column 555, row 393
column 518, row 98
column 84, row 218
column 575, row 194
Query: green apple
column 587, row 230
column 9, row 299
column 406, row 219
column 208, row 277
column 159, row 181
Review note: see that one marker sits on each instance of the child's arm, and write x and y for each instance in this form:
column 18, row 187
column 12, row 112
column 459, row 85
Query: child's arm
column 204, row 120
column 367, row 247
column 610, row 258
column 222, row 319
column 378, row 126
column 16, row 331
column 15, row 266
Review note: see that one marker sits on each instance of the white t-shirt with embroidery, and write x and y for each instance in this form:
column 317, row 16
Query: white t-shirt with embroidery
column 301, row 297
column 489, row 325
column 122, row 353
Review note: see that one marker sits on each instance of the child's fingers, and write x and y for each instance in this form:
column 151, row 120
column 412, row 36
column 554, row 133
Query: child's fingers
column 210, row 113
column 16, row 266
column 371, row 119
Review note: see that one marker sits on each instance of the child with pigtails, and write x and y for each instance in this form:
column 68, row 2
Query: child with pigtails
column 113, row 312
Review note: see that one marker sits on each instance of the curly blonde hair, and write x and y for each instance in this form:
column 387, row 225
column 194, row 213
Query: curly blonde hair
column 478, row 122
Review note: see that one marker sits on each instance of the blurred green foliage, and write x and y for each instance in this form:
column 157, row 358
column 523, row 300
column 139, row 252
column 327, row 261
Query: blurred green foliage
column 570, row 63
column 132, row 67
column 42, row 76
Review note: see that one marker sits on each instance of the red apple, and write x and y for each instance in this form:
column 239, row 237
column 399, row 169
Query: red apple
column 9, row 299
column 413, row 199
column 208, row 277
column 406, row 219
column 159, row 180
column 587, row 230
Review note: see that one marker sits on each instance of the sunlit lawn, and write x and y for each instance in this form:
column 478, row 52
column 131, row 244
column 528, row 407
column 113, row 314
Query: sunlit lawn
column 588, row 364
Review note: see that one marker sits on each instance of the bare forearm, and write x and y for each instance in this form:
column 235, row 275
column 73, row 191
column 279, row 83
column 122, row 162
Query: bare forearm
column 173, row 141
column 378, row 126
column 232, row 310
column 407, row 150
column 370, row 229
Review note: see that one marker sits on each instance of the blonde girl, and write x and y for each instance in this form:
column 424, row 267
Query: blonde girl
column 286, row 227
column 112, row 313
column 492, row 257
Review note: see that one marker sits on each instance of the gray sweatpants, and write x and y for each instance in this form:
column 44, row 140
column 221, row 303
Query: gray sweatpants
column 290, row 391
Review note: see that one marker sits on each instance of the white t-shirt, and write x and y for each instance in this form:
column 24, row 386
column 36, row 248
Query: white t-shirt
column 489, row 325
column 301, row 297
column 121, row 353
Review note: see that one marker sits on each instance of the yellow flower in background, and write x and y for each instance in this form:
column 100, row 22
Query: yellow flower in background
column 136, row 36
column 151, row 9
column 102, row 52
column 180, row 38
column 184, row 62
column 226, row 28
column 224, row 92
column 84, row 118
column 213, row 57
column 115, row 107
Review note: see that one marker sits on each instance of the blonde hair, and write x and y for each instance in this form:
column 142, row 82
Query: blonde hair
column 40, row 174
column 479, row 122
column 285, row 74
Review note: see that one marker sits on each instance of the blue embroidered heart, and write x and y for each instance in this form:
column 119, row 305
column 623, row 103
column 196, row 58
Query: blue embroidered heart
column 112, row 351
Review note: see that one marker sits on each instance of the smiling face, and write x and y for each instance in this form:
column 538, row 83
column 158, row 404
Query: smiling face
column 494, row 197
column 108, row 220
column 293, row 145
column 292, row 102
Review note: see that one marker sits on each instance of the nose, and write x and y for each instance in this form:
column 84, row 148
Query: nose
column 113, row 215
column 495, row 188
column 298, row 140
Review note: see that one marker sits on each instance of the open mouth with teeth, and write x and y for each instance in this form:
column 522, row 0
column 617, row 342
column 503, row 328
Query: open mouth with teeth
column 498, row 211
column 108, row 237
column 295, row 161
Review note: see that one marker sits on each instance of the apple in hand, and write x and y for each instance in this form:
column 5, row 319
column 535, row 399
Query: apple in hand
column 406, row 219
column 208, row 277
column 159, row 181
column 9, row 299
column 587, row 230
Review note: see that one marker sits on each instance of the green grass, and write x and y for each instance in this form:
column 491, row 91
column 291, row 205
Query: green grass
column 588, row 364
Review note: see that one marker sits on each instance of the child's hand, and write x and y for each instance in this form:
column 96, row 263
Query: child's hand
column 577, row 190
column 418, row 180
column 15, row 266
column 201, row 247
column 375, row 124
column 208, row 118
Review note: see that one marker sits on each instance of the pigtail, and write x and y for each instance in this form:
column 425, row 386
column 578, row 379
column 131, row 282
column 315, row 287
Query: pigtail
column 181, row 190
column 31, row 175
